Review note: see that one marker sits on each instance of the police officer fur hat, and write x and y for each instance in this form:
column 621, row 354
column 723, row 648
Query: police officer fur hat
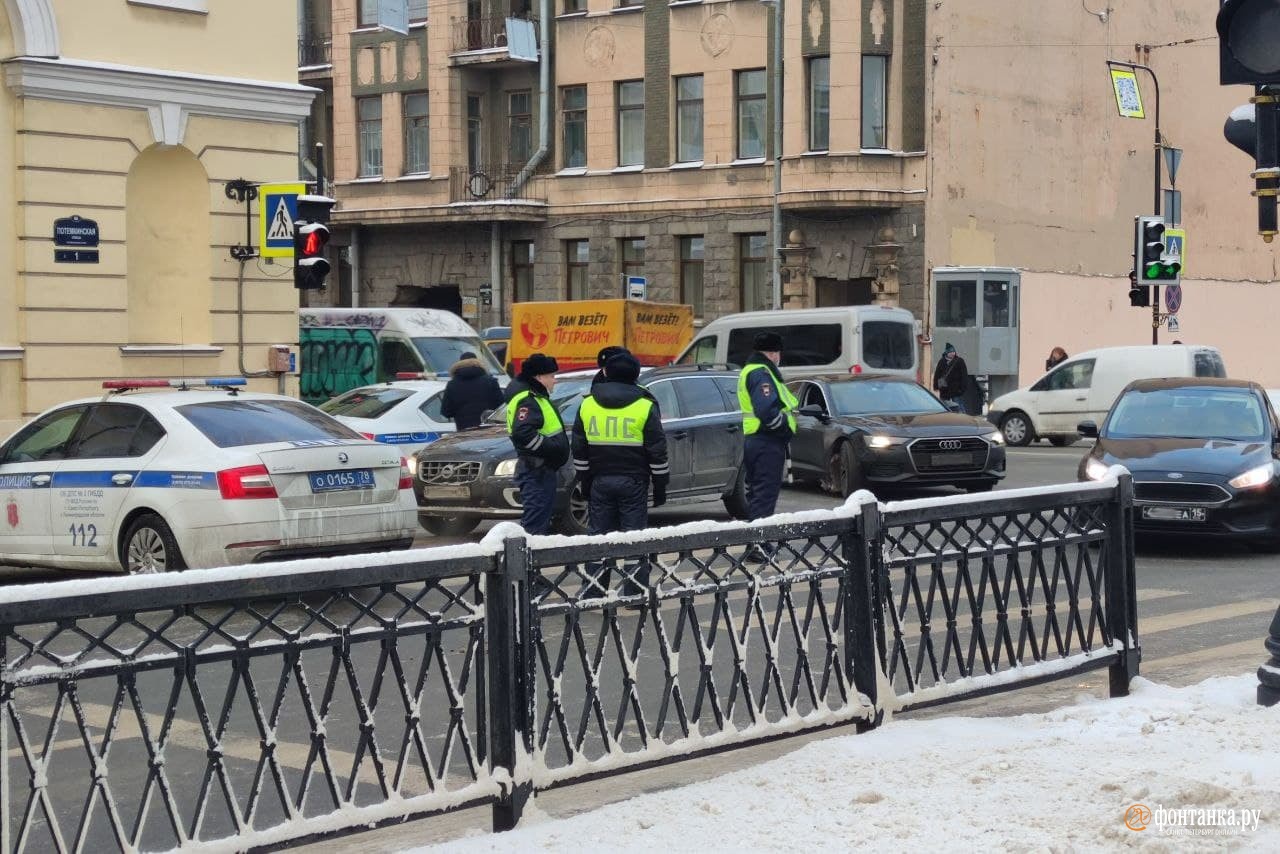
column 768, row 342
column 606, row 352
column 622, row 367
column 537, row 365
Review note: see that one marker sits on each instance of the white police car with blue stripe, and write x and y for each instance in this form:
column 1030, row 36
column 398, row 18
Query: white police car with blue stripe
column 200, row 474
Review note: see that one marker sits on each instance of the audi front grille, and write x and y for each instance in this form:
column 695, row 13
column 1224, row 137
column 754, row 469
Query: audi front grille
column 960, row 454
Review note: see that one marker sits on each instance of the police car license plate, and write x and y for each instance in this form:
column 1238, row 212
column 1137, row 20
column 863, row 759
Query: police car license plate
column 1174, row 514
column 339, row 481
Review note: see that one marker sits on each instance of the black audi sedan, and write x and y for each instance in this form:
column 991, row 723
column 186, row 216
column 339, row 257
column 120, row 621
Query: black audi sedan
column 863, row 431
column 465, row 477
column 1204, row 454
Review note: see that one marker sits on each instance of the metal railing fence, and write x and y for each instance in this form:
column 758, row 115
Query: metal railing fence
column 265, row 704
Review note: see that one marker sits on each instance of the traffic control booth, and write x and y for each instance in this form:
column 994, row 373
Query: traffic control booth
column 976, row 309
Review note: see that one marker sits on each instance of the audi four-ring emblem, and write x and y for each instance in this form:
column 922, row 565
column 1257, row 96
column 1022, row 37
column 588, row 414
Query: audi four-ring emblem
column 950, row 444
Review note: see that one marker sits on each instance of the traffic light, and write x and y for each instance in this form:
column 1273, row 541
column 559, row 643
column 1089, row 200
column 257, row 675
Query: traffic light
column 1154, row 265
column 1139, row 295
column 1248, row 32
column 310, row 237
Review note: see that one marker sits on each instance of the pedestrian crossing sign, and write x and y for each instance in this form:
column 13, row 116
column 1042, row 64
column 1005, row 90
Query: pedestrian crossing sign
column 277, row 209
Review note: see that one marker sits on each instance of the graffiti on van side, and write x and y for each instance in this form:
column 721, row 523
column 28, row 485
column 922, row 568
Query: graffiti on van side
column 335, row 360
column 360, row 321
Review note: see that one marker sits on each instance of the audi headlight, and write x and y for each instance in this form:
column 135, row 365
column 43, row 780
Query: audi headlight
column 884, row 441
column 1260, row 476
column 996, row 438
column 506, row 468
column 1096, row 469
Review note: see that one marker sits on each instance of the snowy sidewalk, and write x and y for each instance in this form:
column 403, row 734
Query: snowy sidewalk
column 1067, row 779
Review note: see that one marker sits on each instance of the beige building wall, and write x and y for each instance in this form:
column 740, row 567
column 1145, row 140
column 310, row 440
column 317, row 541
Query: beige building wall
column 139, row 132
column 1031, row 167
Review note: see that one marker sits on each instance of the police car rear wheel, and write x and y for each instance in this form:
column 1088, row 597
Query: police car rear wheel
column 150, row 547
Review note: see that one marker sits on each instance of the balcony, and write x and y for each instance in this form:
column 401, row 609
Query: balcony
column 315, row 51
column 491, row 188
column 496, row 40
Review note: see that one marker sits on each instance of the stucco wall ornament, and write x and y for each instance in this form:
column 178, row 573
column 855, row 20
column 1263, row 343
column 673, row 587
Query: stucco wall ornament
column 717, row 34
column 598, row 47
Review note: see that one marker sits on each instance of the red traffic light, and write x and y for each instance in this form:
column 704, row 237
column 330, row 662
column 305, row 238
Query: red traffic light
column 309, row 265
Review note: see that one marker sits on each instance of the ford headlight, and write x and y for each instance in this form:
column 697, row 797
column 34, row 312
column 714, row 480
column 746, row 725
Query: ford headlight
column 996, row 438
column 506, row 468
column 884, row 441
column 1260, row 476
column 1096, row 469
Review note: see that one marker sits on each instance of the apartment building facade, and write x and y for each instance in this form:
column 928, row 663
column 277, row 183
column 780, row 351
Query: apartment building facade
column 114, row 224
column 655, row 158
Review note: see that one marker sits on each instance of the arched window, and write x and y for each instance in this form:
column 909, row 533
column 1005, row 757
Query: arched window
column 167, row 234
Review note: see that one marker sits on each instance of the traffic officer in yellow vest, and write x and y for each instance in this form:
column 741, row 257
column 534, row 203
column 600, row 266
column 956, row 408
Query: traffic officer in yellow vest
column 618, row 448
column 768, row 421
column 539, row 439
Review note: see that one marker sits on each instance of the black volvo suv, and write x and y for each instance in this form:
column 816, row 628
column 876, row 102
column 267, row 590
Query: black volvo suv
column 465, row 477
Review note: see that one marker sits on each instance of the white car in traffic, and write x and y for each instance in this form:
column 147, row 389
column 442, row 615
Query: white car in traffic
column 404, row 413
column 200, row 474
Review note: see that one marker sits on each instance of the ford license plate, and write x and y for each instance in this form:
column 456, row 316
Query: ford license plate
column 1174, row 514
column 340, row 481
column 952, row 459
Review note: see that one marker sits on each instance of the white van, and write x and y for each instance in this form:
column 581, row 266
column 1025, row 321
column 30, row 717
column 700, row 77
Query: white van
column 843, row 339
column 343, row 348
column 1084, row 386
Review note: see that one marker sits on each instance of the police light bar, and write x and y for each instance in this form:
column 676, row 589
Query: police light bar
column 416, row 375
column 208, row 382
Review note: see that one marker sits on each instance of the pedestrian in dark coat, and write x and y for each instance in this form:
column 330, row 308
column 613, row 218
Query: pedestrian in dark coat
column 541, row 444
column 1056, row 356
column 951, row 377
column 470, row 393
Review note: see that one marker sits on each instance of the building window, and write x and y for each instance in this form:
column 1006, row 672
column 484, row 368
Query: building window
column 753, row 272
column 751, row 110
column 416, row 146
column 820, row 103
column 475, row 132
column 631, row 257
column 369, row 120
column 577, row 257
column 369, row 12
column 689, row 119
column 575, row 6
column 691, row 257
column 519, row 126
column 521, row 270
column 631, row 123
column 875, row 71
column 573, row 109
column 417, row 11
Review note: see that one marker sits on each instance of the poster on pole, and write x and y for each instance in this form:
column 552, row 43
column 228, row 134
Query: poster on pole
column 1128, row 96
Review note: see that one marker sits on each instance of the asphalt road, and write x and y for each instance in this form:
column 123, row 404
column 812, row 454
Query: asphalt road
column 1203, row 610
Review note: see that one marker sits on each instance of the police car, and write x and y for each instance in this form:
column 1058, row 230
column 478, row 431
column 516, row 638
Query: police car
column 405, row 413
column 199, row 474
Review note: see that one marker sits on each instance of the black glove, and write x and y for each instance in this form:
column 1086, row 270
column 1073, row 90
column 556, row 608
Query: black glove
column 660, row 490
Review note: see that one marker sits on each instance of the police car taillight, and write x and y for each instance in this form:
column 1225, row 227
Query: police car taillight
column 246, row 482
column 406, row 477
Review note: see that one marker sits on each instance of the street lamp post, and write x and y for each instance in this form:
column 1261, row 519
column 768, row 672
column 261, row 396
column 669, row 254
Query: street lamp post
column 1155, row 289
column 776, row 269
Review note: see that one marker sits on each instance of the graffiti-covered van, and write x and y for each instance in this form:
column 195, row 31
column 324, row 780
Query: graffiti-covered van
column 342, row 348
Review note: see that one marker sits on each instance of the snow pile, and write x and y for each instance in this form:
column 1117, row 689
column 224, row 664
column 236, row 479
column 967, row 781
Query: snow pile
column 1057, row 781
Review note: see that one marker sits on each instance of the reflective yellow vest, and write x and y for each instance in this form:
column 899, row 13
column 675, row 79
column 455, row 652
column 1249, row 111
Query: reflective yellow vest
column 551, row 424
column 751, row 424
column 623, row 426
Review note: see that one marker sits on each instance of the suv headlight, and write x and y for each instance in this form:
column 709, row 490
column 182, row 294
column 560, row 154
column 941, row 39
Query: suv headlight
column 1096, row 469
column 412, row 462
column 506, row 468
column 885, row 441
column 1260, row 476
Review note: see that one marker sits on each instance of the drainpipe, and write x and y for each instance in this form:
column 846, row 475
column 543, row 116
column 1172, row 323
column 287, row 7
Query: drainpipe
column 353, row 255
column 544, row 102
column 495, row 273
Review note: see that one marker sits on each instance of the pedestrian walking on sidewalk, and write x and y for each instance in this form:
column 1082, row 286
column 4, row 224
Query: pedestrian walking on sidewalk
column 951, row 377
